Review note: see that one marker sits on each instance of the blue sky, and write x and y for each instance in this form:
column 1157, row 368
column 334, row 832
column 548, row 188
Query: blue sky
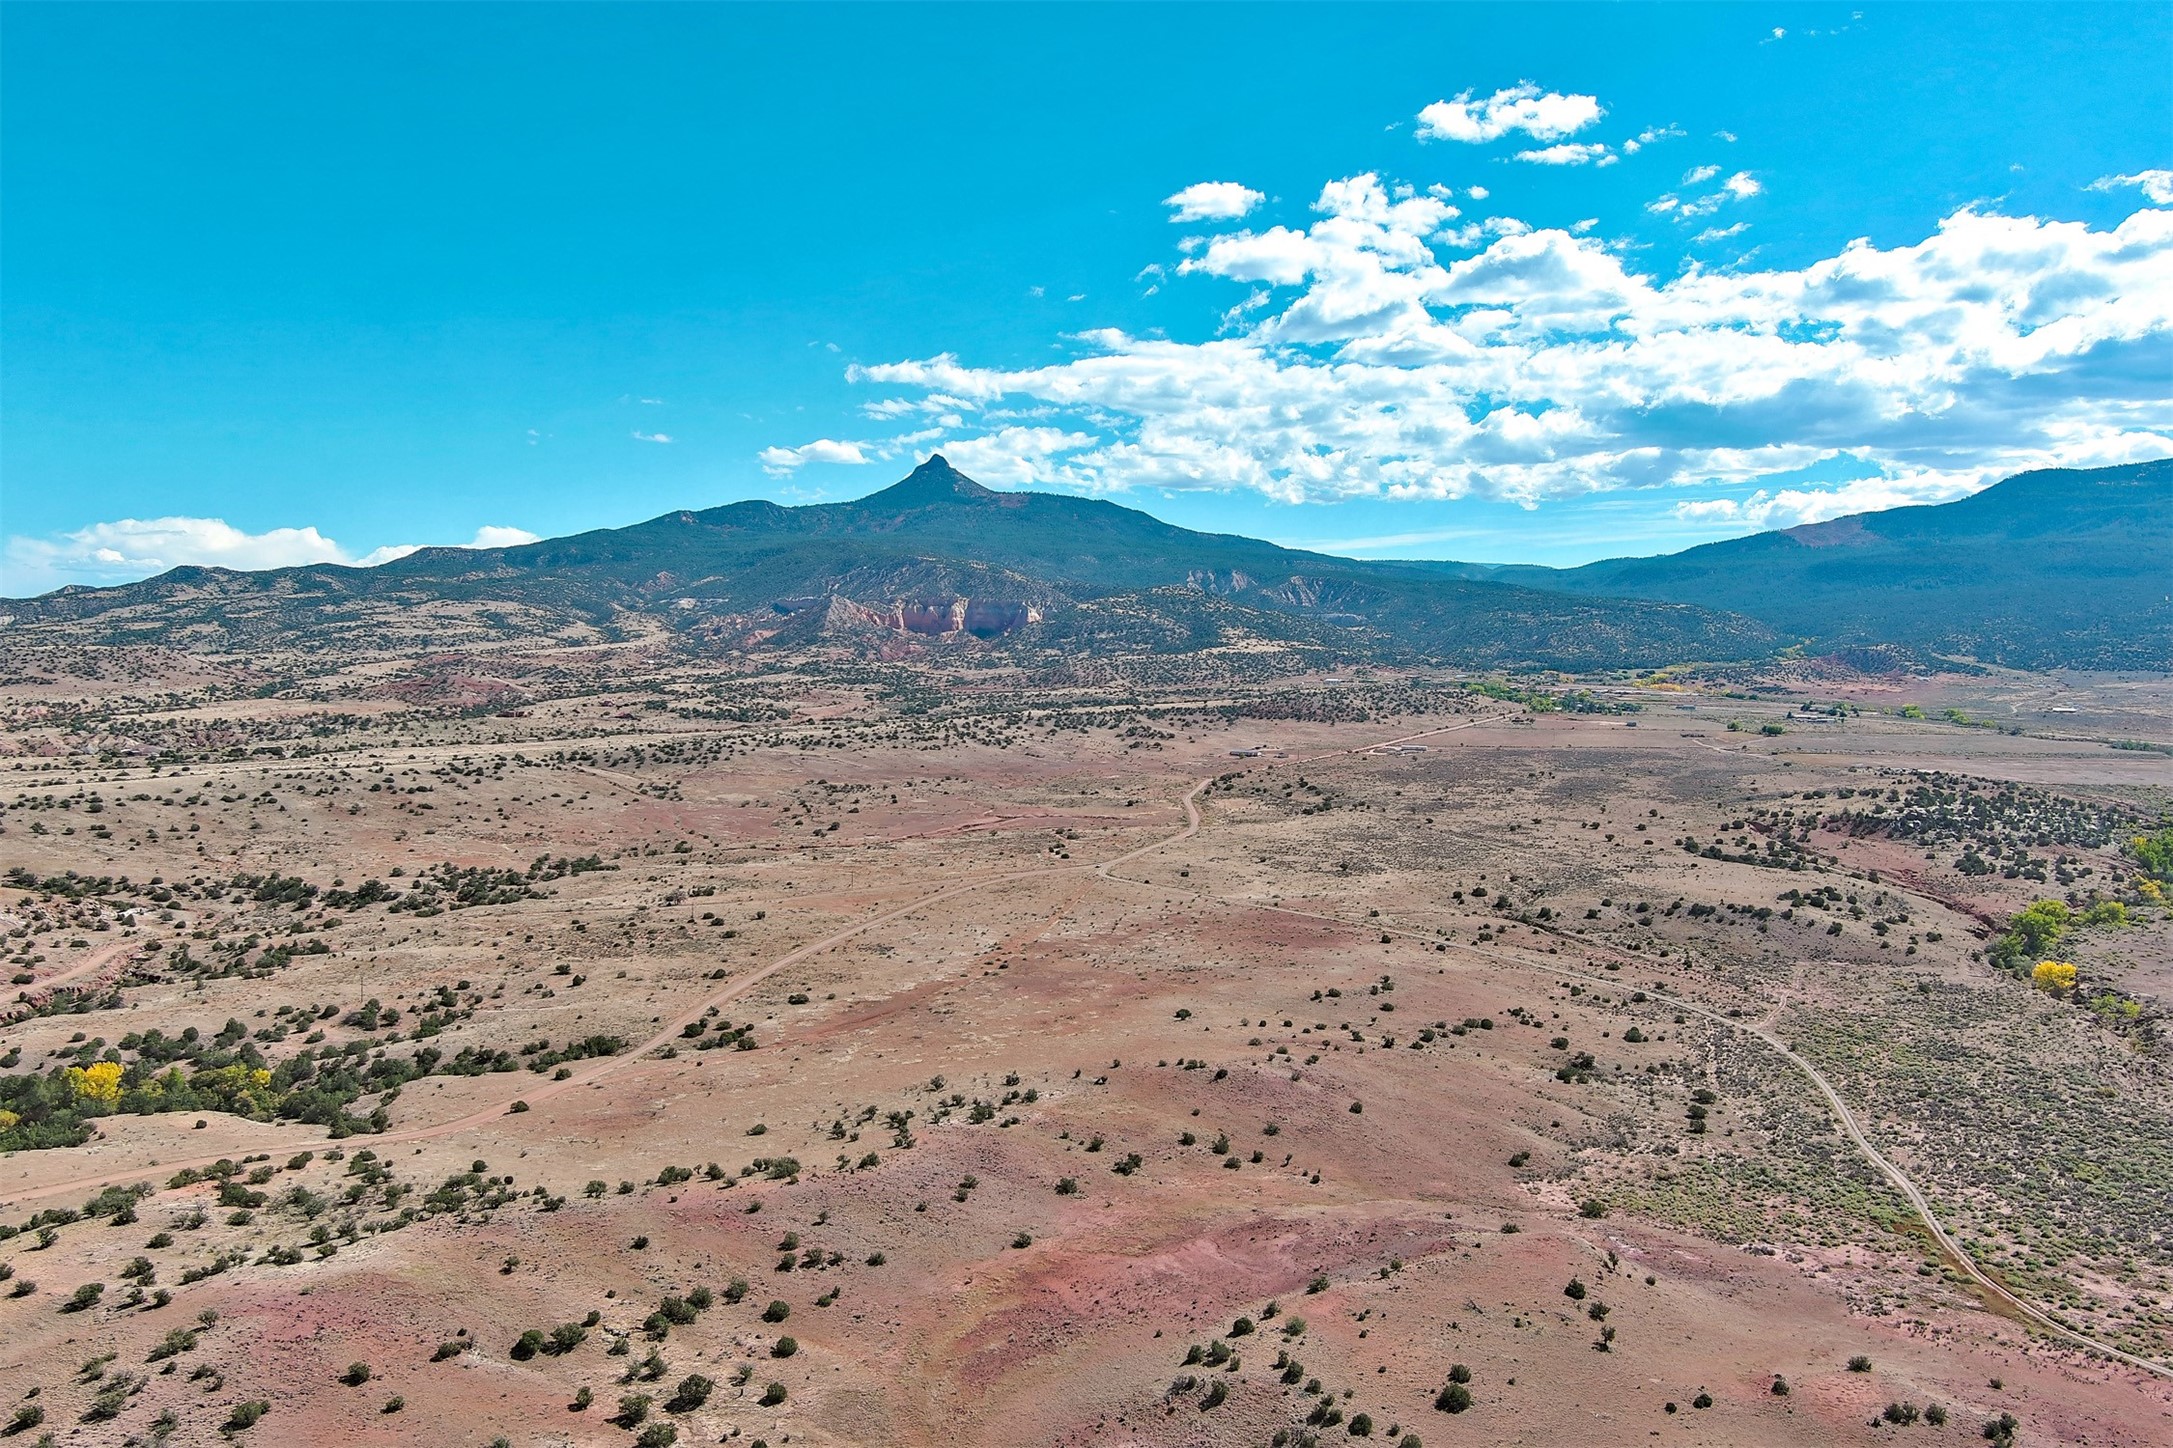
column 1541, row 283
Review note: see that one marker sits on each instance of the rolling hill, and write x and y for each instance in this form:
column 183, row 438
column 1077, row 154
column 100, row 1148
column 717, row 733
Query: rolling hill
column 936, row 556
column 2054, row 568
column 2049, row 569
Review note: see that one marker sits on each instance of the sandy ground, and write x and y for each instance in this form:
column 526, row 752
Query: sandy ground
column 1310, row 980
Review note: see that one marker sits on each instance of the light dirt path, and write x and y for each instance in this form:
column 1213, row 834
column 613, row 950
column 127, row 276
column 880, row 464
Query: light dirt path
column 669, row 1032
column 1908, row 1189
column 2033, row 1316
column 90, row 964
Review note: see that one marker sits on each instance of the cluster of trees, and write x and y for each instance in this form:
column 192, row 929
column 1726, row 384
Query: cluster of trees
column 2037, row 929
column 2154, row 854
column 228, row 1073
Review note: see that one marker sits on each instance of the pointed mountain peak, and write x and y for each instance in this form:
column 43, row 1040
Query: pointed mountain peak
column 934, row 481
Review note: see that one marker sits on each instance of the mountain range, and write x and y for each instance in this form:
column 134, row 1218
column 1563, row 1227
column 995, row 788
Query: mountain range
column 2058, row 567
column 2052, row 568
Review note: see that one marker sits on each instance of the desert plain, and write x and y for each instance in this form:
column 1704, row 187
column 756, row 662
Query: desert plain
column 614, row 1049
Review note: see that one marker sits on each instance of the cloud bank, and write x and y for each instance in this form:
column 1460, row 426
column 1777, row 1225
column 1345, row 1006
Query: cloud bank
column 1388, row 347
column 129, row 548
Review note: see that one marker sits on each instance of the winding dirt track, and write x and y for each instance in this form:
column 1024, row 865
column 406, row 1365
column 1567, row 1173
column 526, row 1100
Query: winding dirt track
column 2033, row 1316
column 90, row 964
column 669, row 1033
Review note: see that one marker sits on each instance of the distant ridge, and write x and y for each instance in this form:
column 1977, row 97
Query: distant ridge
column 2054, row 568
column 934, row 558
column 2059, row 568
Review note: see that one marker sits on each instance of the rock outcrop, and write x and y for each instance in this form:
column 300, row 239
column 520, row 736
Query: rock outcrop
column 982, row 618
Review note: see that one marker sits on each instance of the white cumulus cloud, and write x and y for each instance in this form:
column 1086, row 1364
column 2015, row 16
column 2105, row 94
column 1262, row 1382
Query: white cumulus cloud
column 1791, row 507
column 778, row 461
column 1571, row 153
column 2156, row 185
column 1212, row 201
column 487, row 536
column 1651, row 135
column 492, row 536
column 1014, row 455
column 1376, row 352
column 1542, row 115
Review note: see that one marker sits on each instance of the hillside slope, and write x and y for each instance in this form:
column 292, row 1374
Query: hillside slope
column 934, row 555
column 2056, row 568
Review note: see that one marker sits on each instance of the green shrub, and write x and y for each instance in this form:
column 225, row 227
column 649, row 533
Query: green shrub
column 2032, row 933
column 245, row 1415
column 2154, row 852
